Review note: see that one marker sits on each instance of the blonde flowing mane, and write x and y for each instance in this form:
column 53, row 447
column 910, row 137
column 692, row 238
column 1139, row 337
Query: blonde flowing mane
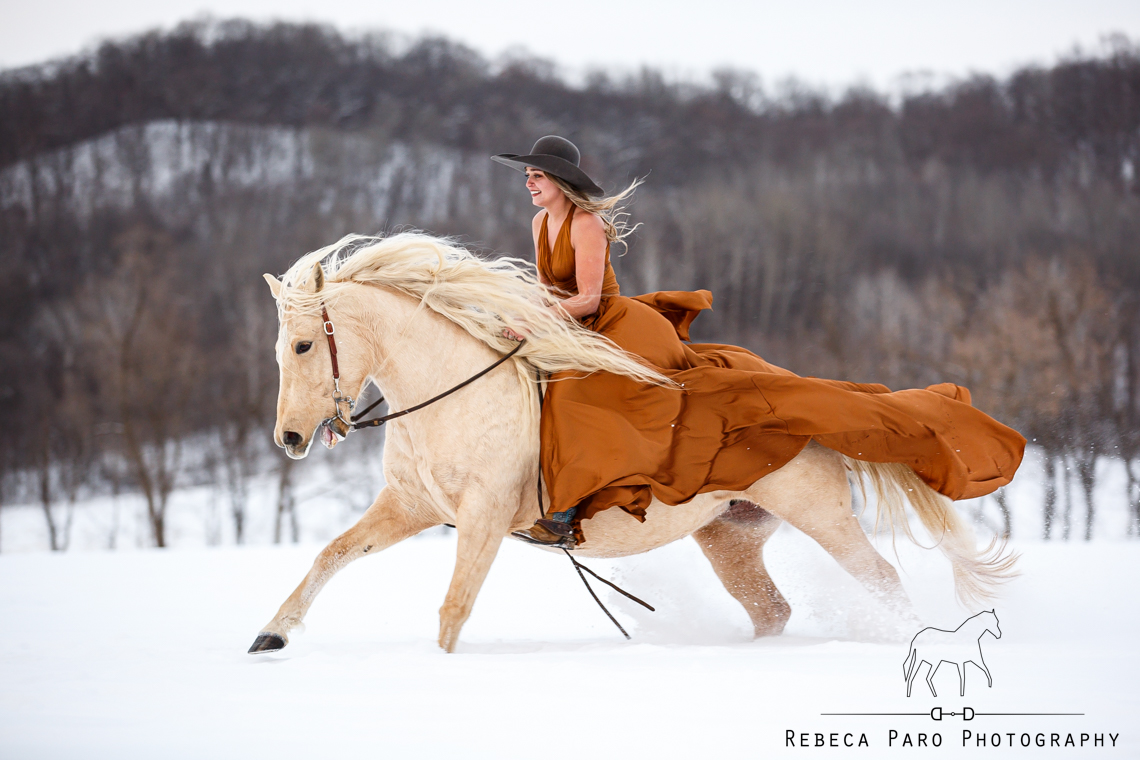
column 483, row 296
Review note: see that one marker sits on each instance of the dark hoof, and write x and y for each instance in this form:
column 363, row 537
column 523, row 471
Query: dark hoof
column 267, row 642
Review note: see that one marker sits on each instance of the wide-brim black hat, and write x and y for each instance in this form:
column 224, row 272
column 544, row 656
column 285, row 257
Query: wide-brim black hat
column 553, row 155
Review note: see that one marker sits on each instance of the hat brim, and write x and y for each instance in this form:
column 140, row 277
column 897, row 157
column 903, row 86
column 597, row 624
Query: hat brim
column 559, row 167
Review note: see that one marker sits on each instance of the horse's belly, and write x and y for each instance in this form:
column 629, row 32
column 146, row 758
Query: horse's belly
column 616, row 533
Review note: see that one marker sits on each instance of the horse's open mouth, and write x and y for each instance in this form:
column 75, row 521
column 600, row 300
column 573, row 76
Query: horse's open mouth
column 329, row 432
column 328, row 437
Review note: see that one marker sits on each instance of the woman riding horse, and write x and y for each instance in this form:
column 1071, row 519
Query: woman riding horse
column 730, row 417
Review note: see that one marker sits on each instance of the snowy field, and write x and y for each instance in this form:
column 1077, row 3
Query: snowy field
column 141, row 654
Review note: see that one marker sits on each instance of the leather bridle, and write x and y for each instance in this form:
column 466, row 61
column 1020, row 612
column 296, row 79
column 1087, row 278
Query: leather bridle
column 339, row 398
column 343, row 424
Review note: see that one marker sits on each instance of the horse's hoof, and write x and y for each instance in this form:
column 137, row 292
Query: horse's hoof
column 267, row 642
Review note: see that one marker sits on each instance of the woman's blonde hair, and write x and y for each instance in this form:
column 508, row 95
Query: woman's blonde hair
column 608, row 208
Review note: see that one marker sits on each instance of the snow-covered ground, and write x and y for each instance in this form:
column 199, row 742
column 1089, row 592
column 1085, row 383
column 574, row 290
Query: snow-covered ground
column 142, row 654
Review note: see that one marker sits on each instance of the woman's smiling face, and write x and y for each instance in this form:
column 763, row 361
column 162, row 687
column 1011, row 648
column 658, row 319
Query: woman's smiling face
column 543, row 192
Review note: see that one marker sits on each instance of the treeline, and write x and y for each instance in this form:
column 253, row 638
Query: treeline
column 986, row 233
column 438, row 92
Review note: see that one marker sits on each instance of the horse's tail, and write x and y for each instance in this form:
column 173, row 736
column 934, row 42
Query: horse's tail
column 977, row 573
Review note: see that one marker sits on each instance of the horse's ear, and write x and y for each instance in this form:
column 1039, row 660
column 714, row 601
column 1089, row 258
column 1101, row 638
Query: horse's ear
column 316, row 281
column 274, row 285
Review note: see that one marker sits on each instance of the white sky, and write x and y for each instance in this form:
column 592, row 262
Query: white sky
column 823, row 42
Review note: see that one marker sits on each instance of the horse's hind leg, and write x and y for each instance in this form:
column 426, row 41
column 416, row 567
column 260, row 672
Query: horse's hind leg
column 386, row 522
column 913, row 673
column 811, row 492
column 734, row 544
column 843, row 538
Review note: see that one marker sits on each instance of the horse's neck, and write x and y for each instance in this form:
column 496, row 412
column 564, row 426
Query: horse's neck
column 976, row 626
column 415, row 353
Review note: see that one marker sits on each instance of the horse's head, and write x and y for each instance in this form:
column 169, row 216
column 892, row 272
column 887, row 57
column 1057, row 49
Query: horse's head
column 307, row 397
column 992, row 623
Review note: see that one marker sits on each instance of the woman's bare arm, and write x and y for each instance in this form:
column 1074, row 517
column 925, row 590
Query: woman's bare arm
column 588, row 238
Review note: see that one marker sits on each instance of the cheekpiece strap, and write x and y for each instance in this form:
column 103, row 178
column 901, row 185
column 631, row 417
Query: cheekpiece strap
column 329, row 332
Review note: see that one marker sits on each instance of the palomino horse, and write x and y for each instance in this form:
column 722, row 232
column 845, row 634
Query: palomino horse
column 416, row 316
column 935, row 646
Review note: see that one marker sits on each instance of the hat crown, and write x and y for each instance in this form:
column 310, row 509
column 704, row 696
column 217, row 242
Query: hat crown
column 559, row 147
column 557, row 157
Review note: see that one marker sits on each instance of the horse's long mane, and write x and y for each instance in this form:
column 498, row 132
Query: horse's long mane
column 483, row 296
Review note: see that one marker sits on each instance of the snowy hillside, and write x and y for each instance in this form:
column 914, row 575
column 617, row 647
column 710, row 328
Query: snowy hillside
column 165, row 160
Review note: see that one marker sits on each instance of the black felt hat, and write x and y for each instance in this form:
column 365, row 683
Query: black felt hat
column 553, row 155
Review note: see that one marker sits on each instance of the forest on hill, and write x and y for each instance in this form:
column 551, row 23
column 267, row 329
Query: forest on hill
column 985, row 232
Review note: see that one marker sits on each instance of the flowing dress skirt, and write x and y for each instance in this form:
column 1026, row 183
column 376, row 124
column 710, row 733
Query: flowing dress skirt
column 608, row 441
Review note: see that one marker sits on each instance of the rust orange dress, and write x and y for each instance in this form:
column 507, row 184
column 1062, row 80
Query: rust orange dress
column 609, row 441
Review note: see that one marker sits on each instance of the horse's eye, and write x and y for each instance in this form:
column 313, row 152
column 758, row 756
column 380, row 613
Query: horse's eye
column 304, row 346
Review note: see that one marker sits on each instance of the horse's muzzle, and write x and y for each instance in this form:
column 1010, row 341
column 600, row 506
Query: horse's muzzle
column 294, row 444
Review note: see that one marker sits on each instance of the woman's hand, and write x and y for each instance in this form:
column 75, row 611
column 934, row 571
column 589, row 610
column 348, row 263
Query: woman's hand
column 510, row 334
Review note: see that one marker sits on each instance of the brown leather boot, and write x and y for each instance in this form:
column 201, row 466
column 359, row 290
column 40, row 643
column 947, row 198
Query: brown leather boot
column 558, row 535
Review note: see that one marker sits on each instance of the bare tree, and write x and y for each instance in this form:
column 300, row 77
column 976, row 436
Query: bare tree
column 138, row 334
column 286, row 502
column 246, row 401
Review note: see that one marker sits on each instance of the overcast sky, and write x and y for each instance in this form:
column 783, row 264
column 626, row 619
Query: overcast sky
column 824, row 42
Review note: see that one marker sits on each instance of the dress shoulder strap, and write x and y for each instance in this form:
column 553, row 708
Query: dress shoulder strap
column 543, row 237
column 565, row 231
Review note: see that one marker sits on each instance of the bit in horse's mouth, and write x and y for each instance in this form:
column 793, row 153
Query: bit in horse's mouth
column 328, row 437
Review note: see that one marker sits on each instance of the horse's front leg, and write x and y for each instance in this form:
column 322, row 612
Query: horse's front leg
column 481, row 524
column 985, row 668
column 385, row 523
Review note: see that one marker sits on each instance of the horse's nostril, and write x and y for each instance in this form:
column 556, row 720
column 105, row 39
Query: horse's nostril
column 291, row 438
